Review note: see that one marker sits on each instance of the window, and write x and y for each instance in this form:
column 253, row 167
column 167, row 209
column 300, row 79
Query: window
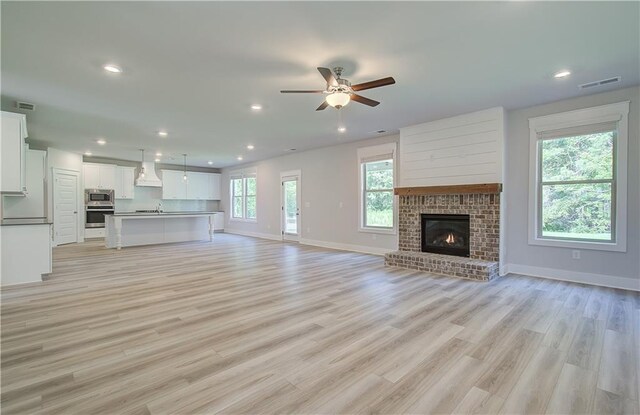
column 578, row 191
column 243, row 197
column 377, row 207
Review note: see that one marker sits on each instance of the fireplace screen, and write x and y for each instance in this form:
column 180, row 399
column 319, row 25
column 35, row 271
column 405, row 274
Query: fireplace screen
column 445, row 234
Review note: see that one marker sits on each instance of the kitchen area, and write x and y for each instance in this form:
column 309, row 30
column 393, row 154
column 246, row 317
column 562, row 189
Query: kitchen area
column 52, row 197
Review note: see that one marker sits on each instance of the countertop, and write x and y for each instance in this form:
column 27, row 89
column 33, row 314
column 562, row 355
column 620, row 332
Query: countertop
column 154, row 214
column 24, row 221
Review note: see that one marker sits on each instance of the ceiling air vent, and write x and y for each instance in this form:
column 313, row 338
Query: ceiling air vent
column 600, row 83
column 27, row 106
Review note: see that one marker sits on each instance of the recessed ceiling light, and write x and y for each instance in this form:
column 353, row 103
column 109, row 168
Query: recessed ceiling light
column 157, row 160
column 101, row 141
column 209, row 162
column 256, row 107
column 158, row 154
column 239, row 157
column 250, row 147
column 87, row 153
column 112, row 68
column 163, row 133
column 342, row 129
column 562, row 74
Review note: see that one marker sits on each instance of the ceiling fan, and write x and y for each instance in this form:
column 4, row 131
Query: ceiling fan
column 340, row 92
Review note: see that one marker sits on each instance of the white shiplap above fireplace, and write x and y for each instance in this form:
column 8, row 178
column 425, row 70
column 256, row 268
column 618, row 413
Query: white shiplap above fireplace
column 467, row 149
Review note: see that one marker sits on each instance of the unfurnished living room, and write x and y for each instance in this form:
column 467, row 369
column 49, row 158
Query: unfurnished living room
column 320, row 207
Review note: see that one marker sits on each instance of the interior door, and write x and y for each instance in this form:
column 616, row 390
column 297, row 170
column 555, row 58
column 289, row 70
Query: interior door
column 65, row 208
column 291, row 208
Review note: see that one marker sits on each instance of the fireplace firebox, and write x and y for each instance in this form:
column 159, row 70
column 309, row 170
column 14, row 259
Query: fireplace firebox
column 445, row 234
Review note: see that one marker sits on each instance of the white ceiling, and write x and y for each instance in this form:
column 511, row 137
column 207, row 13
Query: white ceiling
column 195, row 68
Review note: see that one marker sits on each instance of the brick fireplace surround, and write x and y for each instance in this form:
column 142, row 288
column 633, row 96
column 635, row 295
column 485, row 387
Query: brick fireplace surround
column 481, row 203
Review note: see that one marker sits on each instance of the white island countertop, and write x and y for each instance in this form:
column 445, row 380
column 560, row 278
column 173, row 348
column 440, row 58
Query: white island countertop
column 147, row 228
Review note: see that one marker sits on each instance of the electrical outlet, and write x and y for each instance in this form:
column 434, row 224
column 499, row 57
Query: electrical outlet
column 308, row 230
column 340, row 205
column 268, row 226
column 575, row 254
column 307, row 204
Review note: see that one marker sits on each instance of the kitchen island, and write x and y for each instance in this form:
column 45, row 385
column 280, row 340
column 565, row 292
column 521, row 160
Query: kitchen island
column 149, row 228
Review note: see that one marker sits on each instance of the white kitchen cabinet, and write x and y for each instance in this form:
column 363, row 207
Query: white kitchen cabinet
column 218, row 221
column 197, row 186
column 124, row 186
column 33, row 202
column 214, row 187
column 173, row 185
column 13, row 153
column 99, row 176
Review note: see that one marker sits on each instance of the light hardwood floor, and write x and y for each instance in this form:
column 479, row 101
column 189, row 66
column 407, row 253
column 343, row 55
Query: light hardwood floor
column 243, row 325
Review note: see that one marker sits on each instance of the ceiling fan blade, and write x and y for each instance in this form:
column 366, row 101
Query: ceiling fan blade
column 328, row 76
column 363, row 100
column 309, row 91
column 373, row 84
column 322, row 106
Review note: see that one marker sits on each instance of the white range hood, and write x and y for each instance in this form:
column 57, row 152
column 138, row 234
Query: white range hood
column 150, row 179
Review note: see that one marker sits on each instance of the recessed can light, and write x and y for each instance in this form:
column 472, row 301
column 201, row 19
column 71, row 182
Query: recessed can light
column 163, row 133
column 101, row 141
column 239, row 157
column 250, row 147
column 562, row 74
column 87, row 153
column 112, row 68
column 342, row 129
column 209, row 162
column 158, row 154
column 157, row 160
column 256, row 107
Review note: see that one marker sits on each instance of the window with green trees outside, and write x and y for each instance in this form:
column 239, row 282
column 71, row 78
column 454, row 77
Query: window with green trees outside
column 378, row 194
column 577, row 187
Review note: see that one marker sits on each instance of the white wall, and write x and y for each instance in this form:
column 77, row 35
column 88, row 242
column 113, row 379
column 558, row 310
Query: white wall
column 466, row 149
column 619, row 269
column 329, row 178
column 60, row 159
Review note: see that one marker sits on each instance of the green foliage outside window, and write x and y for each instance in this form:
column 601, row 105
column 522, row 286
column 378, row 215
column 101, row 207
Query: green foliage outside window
column 378, row 194
column 577, row 186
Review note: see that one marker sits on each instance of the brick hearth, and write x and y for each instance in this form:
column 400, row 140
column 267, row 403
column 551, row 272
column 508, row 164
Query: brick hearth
column 484, row 217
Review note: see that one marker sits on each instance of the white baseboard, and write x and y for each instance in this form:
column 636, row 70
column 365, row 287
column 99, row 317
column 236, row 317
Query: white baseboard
column 255, row 234
column 611, row 281
column 346, row 247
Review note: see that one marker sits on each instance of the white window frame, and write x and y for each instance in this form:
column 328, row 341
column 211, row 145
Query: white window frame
column 365, row 154
column 242, row 175
column 612, row 113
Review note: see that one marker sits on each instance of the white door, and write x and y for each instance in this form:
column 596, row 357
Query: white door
column 65, row 208
column 291, row 207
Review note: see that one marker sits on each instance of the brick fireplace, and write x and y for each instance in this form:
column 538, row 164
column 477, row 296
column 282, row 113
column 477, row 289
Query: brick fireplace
column 479, row 203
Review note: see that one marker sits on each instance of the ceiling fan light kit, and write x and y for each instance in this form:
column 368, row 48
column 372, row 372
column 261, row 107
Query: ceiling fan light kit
column 340, row 91
column 338, row 99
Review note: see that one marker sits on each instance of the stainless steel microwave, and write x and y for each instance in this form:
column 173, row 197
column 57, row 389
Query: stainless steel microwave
column 98, row 197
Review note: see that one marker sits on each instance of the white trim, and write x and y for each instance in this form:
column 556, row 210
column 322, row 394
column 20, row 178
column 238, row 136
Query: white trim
column 254, row 234
column 601, row 280
column 346, row 247
column 368, row 152
column 617, row 112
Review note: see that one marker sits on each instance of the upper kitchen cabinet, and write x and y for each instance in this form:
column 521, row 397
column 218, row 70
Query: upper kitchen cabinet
column 214, row 186
column 13, row 153
column 124, row 187
column 173, row 185
column 99, row 176
column 198, row 186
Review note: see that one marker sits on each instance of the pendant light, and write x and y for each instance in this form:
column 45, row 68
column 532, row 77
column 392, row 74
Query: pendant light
column 141, row 175
column 184, row 176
